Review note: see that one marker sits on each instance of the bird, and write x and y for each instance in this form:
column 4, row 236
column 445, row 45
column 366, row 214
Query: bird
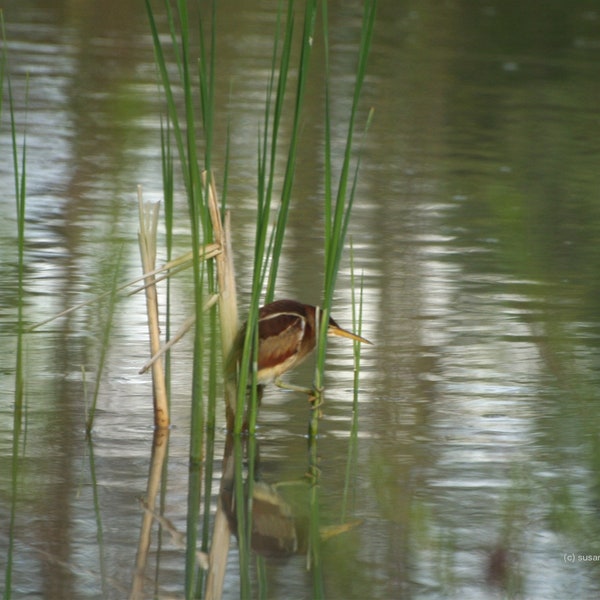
column 287, row 334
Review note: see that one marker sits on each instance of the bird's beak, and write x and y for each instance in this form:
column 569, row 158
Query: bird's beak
column 333, row 330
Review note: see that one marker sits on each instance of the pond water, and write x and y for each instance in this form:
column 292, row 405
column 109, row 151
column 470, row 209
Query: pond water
column 476, row 230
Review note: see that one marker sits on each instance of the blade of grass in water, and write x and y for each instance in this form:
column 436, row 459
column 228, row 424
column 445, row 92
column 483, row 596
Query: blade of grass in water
column 268, row 241
column 269, row 253
column 210, row 434
column 310, row 16
column 20, row 172
column 357, row 309
column 264, row 198
column 185, row 128
column 337, row 213
column 168, row 195
column 106, row 325
column 268, row 249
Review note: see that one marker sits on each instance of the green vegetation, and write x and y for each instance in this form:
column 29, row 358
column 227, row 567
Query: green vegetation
column 187, row 141
column 20, row 172
column 269, row 237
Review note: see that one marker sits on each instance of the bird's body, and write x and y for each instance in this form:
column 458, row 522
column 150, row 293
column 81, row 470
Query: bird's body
column 287, row 334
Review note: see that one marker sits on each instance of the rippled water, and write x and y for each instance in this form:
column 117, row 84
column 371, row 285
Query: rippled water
column 476, row 230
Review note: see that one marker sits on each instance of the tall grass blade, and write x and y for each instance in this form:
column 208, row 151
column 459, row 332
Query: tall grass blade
column 196, row 450
column 185, row 135
column 3, row 55
column 20, row 171
column 206, row 506
column 337, row 212
column 168, row 198
column 162, row 64
column 357, row 311
column 310, row 16
column 267, row 253
column 107, row 321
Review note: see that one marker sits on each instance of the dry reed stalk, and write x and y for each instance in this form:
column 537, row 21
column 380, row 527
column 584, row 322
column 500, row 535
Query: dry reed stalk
column 147, row 240
column 225, row 272
column 228, row 310
column 183, row 329
column 170, row 268
column 228, row 314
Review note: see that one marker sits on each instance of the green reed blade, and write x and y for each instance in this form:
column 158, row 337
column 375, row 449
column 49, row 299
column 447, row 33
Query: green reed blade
column 357, row 312
column 19, row 166
column 197, row 437
column 337, row 213
column 161, row 63
column 106, row 326
column 207, row 502
column 267, row 254
column 184, row 131
column 3, row 58
column 263, row 250
column 168, row 197
column 310, row 15
column 262, row 578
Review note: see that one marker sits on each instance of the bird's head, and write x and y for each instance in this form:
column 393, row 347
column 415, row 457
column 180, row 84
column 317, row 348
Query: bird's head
column 334, row 329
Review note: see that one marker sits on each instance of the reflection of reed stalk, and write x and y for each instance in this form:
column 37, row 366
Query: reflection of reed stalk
column 159, row 453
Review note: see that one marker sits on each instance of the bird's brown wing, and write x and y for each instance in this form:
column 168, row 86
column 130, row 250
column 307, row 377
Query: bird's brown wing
column 280, row 337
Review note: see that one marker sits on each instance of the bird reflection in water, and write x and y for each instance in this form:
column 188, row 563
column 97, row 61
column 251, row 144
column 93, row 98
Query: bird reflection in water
column 280, row 515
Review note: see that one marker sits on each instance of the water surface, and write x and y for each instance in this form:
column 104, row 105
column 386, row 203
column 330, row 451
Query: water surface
column 476, row 230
